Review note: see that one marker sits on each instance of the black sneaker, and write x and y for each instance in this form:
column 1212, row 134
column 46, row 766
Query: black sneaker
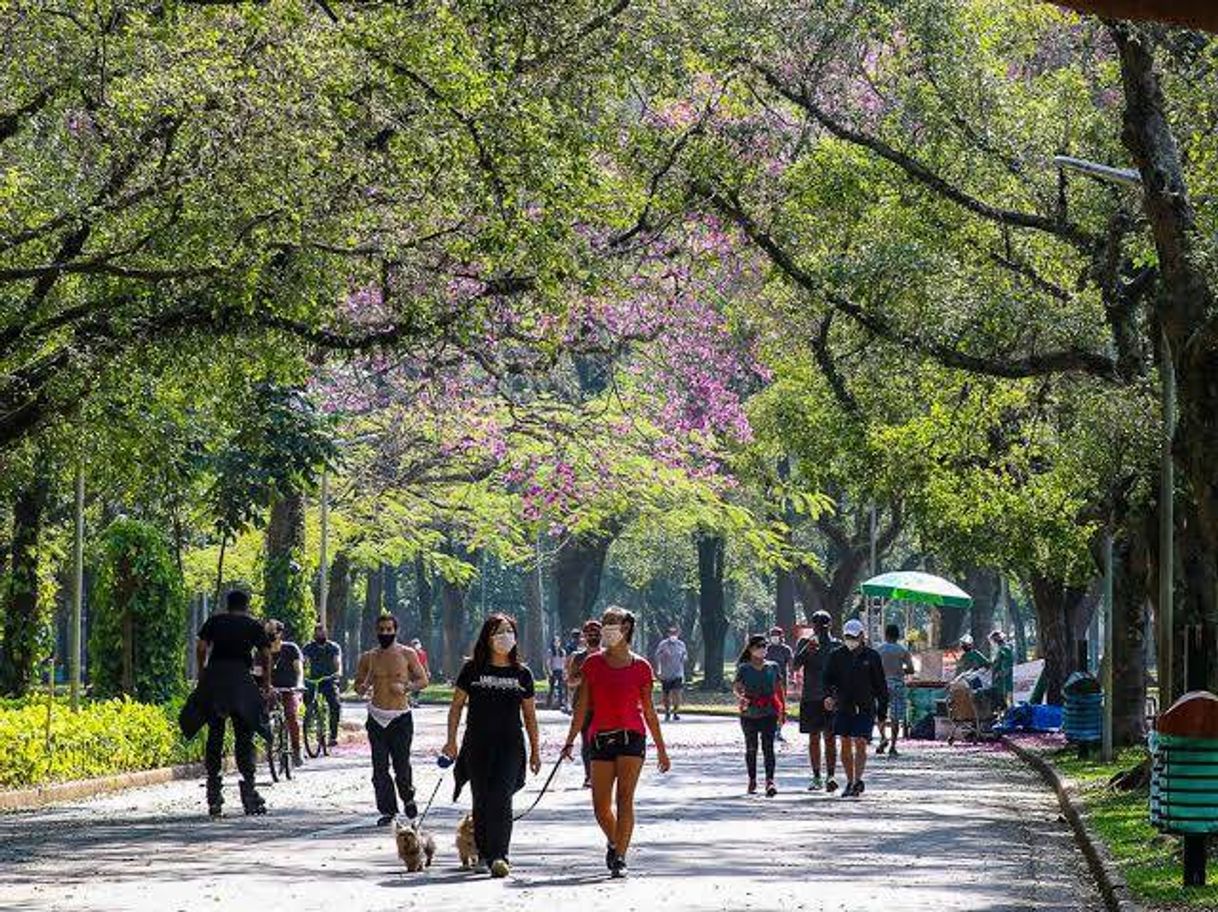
column 770, row 790
column 610, row 857
column 384, row 820
column 410, row 810
column 858, row 788
column 251, row 802
column 883, row 747
column 618, row 868
column 831, row 784
column 676, row 717
column 848, row 791
column 752, row 786
column 892, row 751
column 215, row 810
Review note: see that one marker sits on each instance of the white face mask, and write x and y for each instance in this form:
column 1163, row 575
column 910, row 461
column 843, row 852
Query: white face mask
column 775, row 640
column 611, row 636
column 504, row 642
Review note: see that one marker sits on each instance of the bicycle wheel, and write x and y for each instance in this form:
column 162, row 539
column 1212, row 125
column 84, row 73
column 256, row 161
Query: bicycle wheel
column 314, row 734
column 323, row 727
column 272, row 747
column 285, row 751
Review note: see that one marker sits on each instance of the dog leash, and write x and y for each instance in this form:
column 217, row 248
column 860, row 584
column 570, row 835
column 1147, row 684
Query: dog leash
column 444, row 763
column 541, row 794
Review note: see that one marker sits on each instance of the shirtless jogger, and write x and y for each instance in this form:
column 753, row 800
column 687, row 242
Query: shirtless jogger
column 390, row 672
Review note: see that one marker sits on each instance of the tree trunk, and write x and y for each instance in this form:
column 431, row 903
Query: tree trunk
column 983, row 586
column 784, row 599
column 1130, row 644
column 287, row 589
column 425, row 604
column 1184, row 308
column 711, row 608
column 339, row 592
column 23, row 614
column 578, row 566
column 455, row 641
column 952, row 624
column 836, row 594
column 1020, row 625
column 389, row 593
column 691, row 633
column 372, row 608
column 1059, row 609
column 534, row 638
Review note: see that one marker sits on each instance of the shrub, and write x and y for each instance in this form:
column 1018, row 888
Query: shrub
column 138, row 579
column 103, row 738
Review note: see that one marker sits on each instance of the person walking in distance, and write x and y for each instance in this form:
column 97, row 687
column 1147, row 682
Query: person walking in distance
column 759, row 688
column 857, row 694
column 325, row 659
column 616, row 691
column 557, row 661
column 500, row 694
column 898, row 664
column 778, row 652
column 814, row 720
column 390, row 672
column 287, row 677
column 574, row 675
column 225, row 651
column 670, row 658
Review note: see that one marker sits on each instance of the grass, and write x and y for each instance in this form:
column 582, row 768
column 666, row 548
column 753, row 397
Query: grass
column 1149, row 860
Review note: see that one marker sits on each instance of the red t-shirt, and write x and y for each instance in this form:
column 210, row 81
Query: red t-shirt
column 615, row 693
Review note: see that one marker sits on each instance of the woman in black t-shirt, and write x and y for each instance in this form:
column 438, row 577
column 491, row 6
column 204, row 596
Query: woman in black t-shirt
column 499, row 691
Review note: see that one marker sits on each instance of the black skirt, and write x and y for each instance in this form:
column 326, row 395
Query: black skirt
column 476, row 754
column 225, row 689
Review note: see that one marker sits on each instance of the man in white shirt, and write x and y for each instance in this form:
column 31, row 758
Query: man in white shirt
column 670, row 668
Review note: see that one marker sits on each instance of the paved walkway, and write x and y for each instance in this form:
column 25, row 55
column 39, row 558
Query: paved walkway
column 938, row 829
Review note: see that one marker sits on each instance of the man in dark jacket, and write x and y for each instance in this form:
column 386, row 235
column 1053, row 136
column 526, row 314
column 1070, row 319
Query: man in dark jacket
column 227, row 645
column 856, row 693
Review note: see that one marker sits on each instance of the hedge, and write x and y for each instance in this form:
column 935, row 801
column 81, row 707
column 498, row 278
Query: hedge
column 102, row 738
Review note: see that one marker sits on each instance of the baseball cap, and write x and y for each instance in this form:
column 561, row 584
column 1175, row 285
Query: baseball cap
column 853, row 628
column 822, row 618
column 966, row 640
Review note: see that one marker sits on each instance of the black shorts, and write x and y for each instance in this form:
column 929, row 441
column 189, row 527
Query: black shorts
column 668, row 685
column 814, row 718
column 608, row 746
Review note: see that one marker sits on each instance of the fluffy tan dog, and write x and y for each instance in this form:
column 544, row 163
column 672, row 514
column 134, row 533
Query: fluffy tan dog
column 415, row 846
column 466, row 847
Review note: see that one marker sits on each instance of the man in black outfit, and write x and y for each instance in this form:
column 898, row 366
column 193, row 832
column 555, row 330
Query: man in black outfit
column 856, row 692
column 226, row 690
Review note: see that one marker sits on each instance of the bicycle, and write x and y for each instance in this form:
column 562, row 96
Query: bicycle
column 316, row 725
column 279, row 747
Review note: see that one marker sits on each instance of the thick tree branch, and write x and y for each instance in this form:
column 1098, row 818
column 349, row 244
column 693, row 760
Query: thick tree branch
column 1069, row 360
column 922, row 174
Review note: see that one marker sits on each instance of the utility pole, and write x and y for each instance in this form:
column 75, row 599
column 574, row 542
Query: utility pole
column 324, row 587
column 1109, row 676
column 78, row 588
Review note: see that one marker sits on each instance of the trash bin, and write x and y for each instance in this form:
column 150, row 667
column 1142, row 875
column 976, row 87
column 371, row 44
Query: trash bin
column 1184, row 768
column 1083, row 713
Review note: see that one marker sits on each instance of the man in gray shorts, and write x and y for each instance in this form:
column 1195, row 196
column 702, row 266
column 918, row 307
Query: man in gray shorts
column 670, row 668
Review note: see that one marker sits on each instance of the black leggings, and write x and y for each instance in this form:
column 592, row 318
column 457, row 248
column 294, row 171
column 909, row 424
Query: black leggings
column 763, row 728
column 495, row 771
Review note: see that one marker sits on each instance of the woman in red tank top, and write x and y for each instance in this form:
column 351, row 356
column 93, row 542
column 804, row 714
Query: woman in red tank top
column 616, row 696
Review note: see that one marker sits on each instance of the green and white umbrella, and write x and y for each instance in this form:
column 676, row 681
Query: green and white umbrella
column 913, row 586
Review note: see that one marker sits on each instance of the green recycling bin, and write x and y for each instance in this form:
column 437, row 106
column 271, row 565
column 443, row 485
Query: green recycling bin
column 1184, row 784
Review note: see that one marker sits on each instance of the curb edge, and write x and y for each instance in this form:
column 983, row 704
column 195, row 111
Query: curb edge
column 1108, row 878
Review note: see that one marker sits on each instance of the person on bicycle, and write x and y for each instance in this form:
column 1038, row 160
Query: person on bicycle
column 326, row 663
column 390, row 672
column 287, row 677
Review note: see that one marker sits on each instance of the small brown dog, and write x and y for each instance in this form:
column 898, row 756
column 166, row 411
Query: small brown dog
column 466, row 847
column 415, row 846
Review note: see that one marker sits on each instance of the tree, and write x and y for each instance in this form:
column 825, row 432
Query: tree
column 26, row 607
column 138, row 631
